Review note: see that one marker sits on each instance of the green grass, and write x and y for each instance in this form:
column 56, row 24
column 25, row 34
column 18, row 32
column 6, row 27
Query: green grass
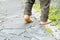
column 37, row 7
column 54, row 23
column 58, row 26
column 54, row 14
column 49, row 30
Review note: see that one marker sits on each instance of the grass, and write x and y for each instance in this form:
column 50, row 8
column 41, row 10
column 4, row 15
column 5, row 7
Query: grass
column 58, row 26
column 49, row 30
column 37, row 7
column 54, row 23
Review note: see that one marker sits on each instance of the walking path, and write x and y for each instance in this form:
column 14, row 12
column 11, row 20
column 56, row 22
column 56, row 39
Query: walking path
column 13, row 27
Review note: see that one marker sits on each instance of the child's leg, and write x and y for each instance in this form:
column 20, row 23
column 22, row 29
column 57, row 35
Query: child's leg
column 44, row 10
column 27, row 11
column 28, row 7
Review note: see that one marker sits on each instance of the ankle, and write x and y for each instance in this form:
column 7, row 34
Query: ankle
column 26, row 16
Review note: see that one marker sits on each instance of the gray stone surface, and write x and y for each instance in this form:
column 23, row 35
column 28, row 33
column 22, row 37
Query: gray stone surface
column 13, row 27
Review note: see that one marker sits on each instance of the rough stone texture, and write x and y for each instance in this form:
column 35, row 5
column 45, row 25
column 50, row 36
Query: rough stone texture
column 13, row 27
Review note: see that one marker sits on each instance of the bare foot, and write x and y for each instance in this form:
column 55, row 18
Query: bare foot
column 27, row 19
column 44, row 23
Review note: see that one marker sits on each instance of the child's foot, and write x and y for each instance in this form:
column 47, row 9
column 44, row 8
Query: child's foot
column 44, row 23
column 27, row 19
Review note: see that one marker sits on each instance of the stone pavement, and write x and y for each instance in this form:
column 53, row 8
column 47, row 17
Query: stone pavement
column 13, row 27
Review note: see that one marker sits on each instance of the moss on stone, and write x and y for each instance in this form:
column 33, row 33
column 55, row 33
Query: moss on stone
column 49, row 30
column 58, row 26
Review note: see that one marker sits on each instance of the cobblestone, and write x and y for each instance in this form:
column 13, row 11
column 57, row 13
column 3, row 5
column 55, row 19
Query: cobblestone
column 14, row 27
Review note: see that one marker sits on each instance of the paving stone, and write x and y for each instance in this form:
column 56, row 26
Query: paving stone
column 1, row 27
column 26, row 34
column 16, row 23
column 15, row 28
column 5, row 36
column 55, row 30
column 11, row 8
column 47, row 38
column 13, row 31
column 26, row 38
column 34, row 39
column 57, row 35
column 2, row 38
column 38, row 33
column 15, row 38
